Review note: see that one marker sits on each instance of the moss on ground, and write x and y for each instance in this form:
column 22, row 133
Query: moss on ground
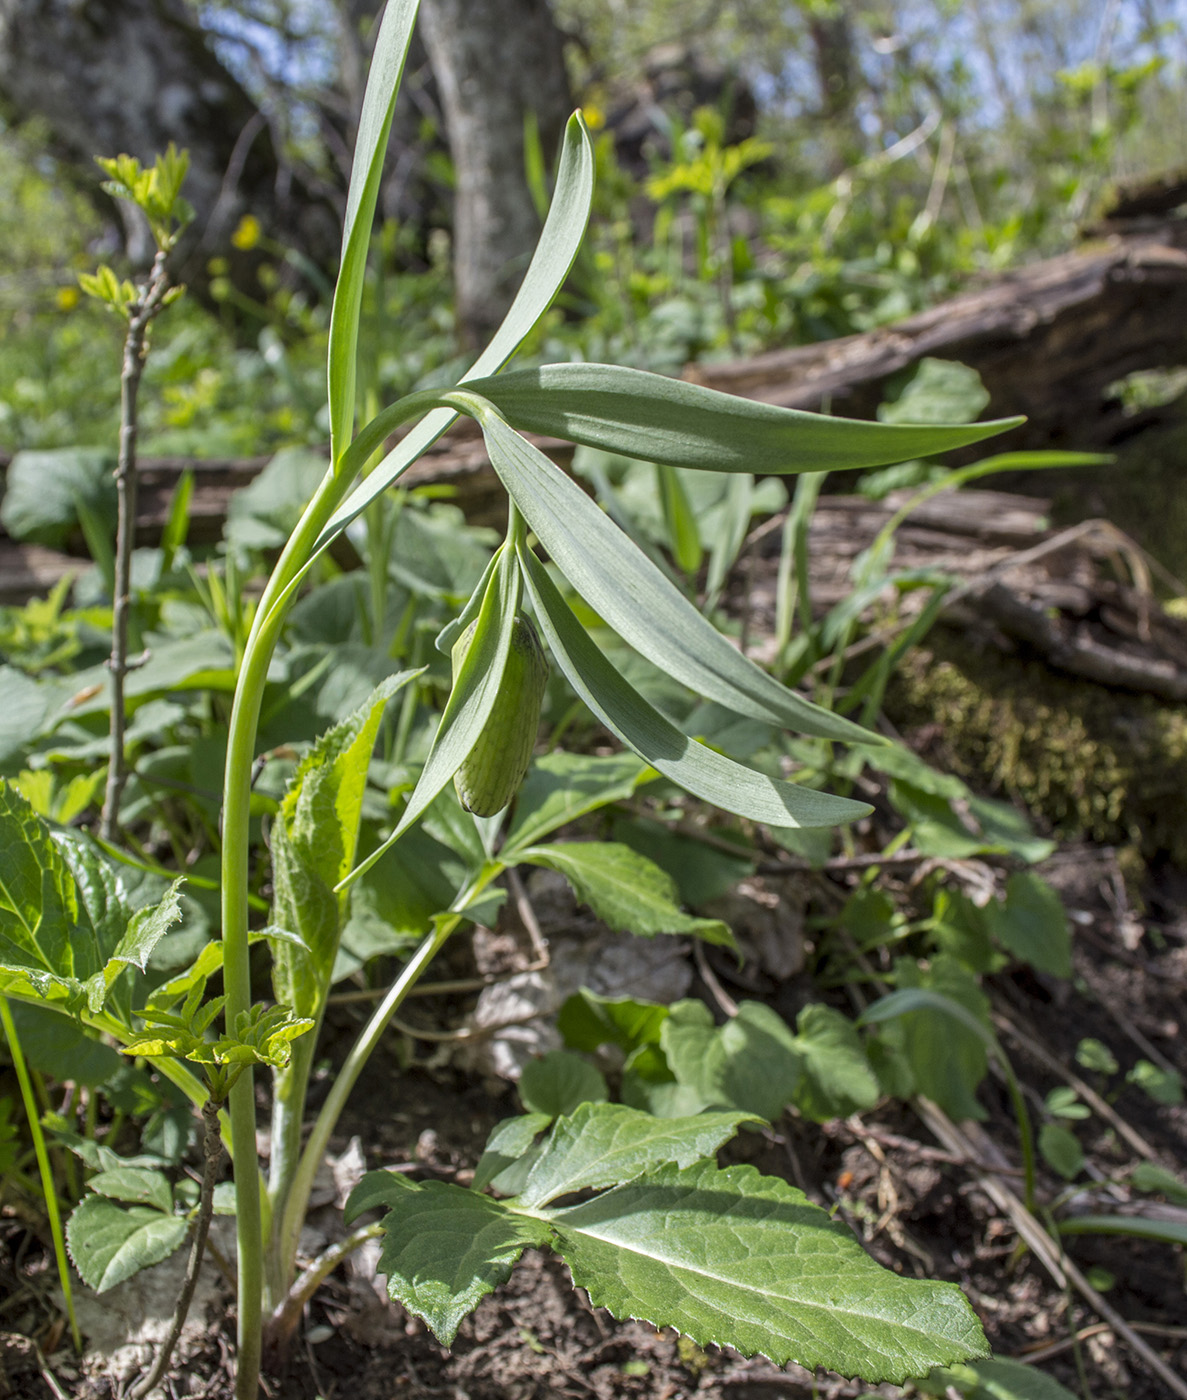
column 1088, row 761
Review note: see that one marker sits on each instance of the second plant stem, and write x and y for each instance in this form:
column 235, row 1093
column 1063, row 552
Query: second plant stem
column 140, row 317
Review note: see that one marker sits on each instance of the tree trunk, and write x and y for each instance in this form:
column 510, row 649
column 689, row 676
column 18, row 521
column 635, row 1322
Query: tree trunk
column 495, row 62
column 112, row 76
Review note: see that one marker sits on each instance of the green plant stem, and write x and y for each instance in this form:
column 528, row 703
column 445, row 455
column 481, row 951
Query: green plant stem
column 284, row 1320
column 295, row 1206
column 48, row 1188
column 236, row 855
column 302, row 1182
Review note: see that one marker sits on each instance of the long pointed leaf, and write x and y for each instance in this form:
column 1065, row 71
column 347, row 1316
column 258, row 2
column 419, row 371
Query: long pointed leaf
column 687, row 425
column 375, row 122
column 700, row 770
column 561, row 238
column 469, row 705
column 625, row 588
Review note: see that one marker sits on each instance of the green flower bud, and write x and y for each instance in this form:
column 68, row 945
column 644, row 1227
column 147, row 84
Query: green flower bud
column 495, row 767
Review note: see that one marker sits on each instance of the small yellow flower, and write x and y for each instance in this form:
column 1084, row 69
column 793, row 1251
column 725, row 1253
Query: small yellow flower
column 595, row 118
column 247, row 235
column 67, row 298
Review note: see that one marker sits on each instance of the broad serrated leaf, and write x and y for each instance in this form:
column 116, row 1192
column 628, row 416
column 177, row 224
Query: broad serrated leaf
column 559, row 242
column 638, row 601
column 1032, row 924
column 109, row 1243
column 624, row 889
column 560, row 787
column 658, row 419
column 39, row 905
column 313, row 846
column 506, row 1145
column 558, row 1082
column 692, row 765
column 738, row 1259
column 602, row 1144
column 135, row 1185
column 837, row 1078
column 145, row 929
column 445, row 1248
column 751, row 1063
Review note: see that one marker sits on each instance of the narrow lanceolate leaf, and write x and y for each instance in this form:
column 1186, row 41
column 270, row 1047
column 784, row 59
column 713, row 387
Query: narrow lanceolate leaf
column 471, row 701
column 700, row 770
column 603, row 1144
column 686, row 425
column 375, row 121
column 646, row 609
column 110, row 1243
column 563, row 231
column 624, row 889
column 735, row 1258
column 445, row 1248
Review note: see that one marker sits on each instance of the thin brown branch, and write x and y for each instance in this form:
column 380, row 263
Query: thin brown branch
column 140, row 317
column 212, row 1146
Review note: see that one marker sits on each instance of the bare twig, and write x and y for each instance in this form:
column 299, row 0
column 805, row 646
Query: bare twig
column 1062, row 1269
column 141, row 314
column 212, row 1146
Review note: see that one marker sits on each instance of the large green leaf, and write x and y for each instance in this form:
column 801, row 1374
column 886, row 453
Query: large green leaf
column 470, row 702
column 751, row 1063
column 143, row 932
column 635, row 598
column 444, row 1248
column 1032, row 924
column 109, row 1243
column 39, row 906
column 375, row 120
column 939, row 1022
column 560, row 1082
column 602, row 1144
column 702, row 771
column 560, row 239
column 313, row 847
column 560, row 787
column 837, row 1078
column 686, row 425
column 624, row 889
column 588, row 1021
column 738, row 1259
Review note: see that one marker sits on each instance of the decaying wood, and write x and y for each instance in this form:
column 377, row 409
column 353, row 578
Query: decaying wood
column 1080, row 599
column 1048, row 340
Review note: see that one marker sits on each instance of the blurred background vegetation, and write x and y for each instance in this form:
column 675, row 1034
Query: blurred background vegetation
column 772, row 173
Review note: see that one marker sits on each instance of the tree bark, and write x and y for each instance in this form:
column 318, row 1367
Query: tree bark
column 112, row 76
column 496, row 62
